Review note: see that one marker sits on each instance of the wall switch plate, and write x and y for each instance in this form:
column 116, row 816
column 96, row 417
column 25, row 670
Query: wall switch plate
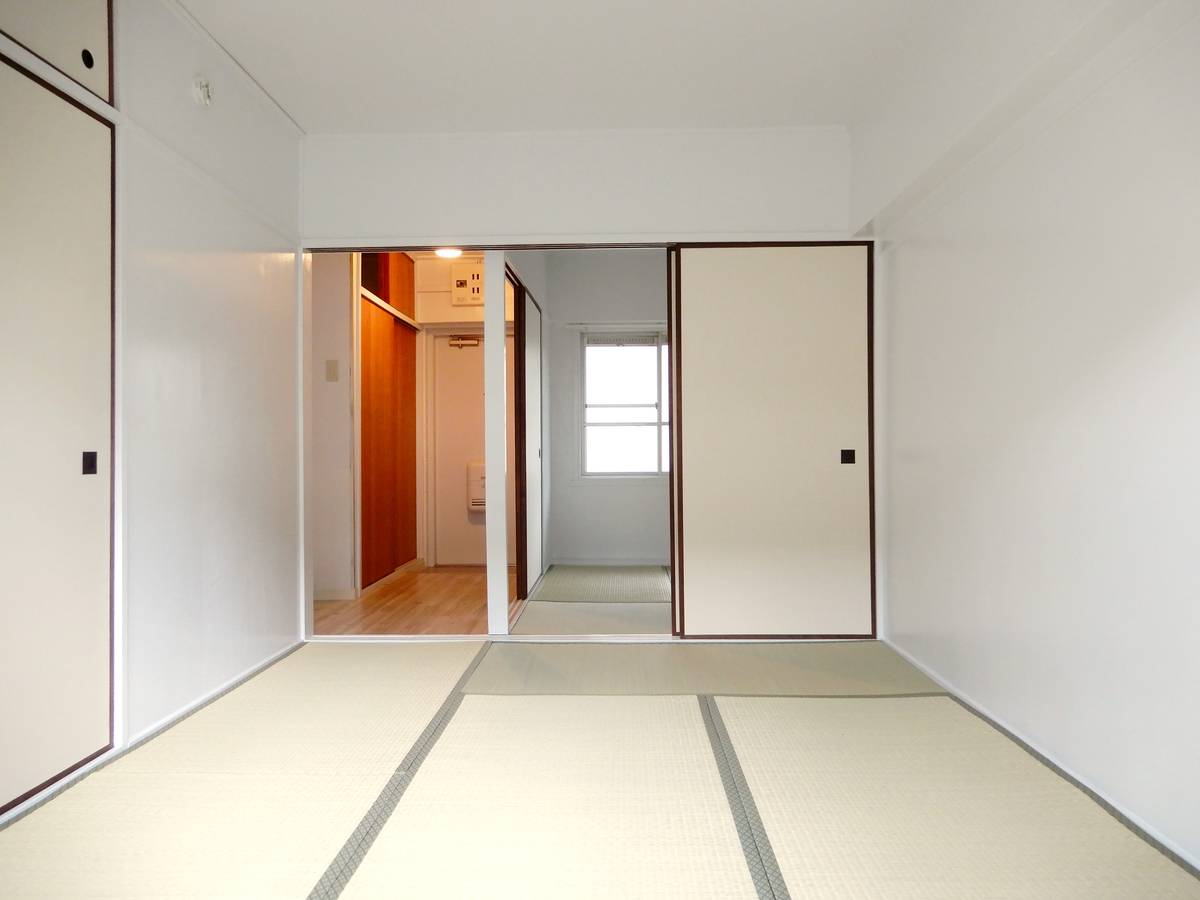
column 331, row 370
column 847, row 457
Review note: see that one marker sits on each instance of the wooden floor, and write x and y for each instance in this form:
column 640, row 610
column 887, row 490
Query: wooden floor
column 440, row 600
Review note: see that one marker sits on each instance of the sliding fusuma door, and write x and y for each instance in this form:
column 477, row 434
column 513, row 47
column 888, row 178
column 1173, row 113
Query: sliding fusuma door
column 56, row 309
column 773, row 456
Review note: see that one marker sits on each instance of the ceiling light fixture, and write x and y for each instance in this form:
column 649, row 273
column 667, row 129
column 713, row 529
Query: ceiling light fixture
column 448, row 252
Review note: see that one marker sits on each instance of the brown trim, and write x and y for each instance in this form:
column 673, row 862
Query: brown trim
column 670, row 257
column 17, row 801
column 521, row 480
column 677, row 433
column 677, row 428
column 112, row 422
column 704, row 245
column 58, row 92
column 778, row 637
column 675, row 342
column 110, row 99
column 477, row 248
column 871, row 421
column 520, row 429
column 112, row 418
column 112, row 61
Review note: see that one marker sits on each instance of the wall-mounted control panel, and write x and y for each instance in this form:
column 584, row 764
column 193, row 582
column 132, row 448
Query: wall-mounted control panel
column 466, row 283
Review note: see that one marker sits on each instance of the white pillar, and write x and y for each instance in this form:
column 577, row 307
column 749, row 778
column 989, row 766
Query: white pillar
column 495, row 418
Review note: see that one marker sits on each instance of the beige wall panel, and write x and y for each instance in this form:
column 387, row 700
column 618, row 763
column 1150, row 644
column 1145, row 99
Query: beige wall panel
column 59, row 31
column 55, row 351
column 776, row 530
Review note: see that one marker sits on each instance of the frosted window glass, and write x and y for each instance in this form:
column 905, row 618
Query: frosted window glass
column 621, row 448
column 666, row 384
column 622, row 414
column 622, row 374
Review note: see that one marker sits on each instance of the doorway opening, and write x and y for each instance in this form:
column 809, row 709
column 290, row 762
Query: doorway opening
column 397, row 471
column 397, row 466
column 603, row 406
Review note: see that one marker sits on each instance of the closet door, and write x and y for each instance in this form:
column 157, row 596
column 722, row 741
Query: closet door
column 773, row 463
column 55, row 456
column 71, row 35
column 388, row 462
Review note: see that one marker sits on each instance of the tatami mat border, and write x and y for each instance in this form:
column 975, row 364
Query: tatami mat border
column 760, row 857
column 342, row 868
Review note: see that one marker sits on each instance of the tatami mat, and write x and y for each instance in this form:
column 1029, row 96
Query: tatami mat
column 251, row 796
column 594, row 618
column 554, row 797
column 843, row 668
column 918, row 798
column 608, row 584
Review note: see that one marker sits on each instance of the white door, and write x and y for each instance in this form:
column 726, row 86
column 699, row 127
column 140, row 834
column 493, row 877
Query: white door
column 457, row 443
column 459, row 535
column 773, row 369
column 56, row 359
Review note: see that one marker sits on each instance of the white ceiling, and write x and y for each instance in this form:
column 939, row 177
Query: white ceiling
column 481, row 65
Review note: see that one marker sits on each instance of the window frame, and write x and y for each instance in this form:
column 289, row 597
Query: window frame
column 659, row 336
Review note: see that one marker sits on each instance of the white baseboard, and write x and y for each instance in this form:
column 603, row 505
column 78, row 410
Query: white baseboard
column 343, row 593
column 167, row 721
column 1130, row 818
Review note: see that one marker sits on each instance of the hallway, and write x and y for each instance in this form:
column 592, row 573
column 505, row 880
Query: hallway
column 448, row 600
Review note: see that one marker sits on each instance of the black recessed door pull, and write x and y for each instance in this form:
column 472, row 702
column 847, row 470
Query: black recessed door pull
column 89, row 462
column 847, row 457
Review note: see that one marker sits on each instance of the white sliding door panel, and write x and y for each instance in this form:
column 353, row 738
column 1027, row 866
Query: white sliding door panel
column 533, row 441
column 775, row 527
column 55, row 350
column 457, row 444
column 68, row 34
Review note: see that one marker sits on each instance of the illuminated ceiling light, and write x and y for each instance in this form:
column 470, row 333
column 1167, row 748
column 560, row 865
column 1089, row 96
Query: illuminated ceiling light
column 448, row 252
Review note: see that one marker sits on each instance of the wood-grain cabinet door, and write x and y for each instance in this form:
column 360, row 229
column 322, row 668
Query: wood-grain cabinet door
column 55, row 454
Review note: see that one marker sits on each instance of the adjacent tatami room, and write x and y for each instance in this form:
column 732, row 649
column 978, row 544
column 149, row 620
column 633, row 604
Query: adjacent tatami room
column 549, row 450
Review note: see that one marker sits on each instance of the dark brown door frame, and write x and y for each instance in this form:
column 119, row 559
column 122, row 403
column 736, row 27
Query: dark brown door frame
column 520, row 427
column 675, row 372
column 675, row 323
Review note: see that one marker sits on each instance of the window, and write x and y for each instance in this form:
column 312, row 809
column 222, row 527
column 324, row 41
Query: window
column 625, row 404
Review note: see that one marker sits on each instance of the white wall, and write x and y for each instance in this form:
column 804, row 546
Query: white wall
column 365, row 190
column 330, row 470
column 601, row 520
column 969, row 77
column 207, row 367
column 1044, row 326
